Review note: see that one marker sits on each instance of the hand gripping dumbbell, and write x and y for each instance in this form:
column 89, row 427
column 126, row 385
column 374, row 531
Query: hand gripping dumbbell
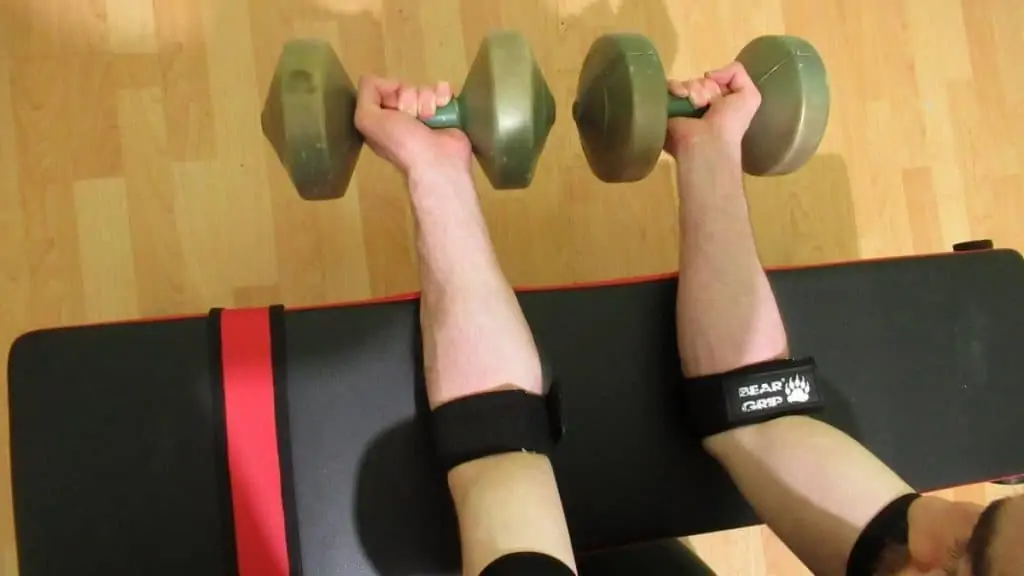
column 505, row 108
column 622, row 106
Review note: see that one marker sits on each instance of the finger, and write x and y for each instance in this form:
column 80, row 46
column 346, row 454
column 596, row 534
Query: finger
column 443, row 93
column 368, row 91
column 712, row 89
column 723, row 88
column 733, row 77
column 678, row 89
column 709, row 90
column 375, row 93
column 426, row 102
column 697, row 92
column 739, row 85
column 389, row 99
column 408, row 100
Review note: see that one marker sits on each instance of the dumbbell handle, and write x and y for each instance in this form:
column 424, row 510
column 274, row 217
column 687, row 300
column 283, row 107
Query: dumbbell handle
column 447, row 116
column 677, row 108
column 683, row 108
column 450, row 115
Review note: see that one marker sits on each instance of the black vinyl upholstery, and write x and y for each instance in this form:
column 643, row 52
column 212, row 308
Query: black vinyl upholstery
column 114, row 465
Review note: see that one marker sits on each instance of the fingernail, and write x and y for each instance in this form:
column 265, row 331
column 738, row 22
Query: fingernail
column 444, row 91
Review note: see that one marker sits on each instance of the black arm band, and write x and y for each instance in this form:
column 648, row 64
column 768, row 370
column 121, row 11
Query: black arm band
column 751, row 394
column 527, row 564
column 497, row 422
column 889, row 527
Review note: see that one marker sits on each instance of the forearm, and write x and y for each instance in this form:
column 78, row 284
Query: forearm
column 726, row 312
column 474, row 333
column 508, row 503
column 814, row 485
column 476, row 339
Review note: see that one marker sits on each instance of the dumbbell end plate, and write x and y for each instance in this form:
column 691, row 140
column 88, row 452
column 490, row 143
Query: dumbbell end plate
column 789, row 125
column 509, row 109
column 309, row 119
column 620, row 108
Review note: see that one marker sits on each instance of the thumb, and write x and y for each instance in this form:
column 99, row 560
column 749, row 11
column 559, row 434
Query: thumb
column 452, row 134
column 374, row 90
column 374, row 94
column 738, row 87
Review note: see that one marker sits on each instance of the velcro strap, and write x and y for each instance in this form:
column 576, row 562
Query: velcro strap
column 527, row 563
column 497, row 422
column 752, row 394
column 888, row 528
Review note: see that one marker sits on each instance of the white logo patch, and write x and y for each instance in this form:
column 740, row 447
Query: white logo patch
column 761, row 404
column 759, row 389
column 797, row 390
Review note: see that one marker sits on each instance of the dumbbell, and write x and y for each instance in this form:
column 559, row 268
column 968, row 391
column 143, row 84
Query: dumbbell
column 622, row 106
column 505, row 108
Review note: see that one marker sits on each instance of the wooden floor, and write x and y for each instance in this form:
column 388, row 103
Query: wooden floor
column 134, row 179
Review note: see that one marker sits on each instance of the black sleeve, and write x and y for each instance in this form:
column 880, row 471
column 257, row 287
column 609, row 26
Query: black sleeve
column 527, row 564
column 888, row 528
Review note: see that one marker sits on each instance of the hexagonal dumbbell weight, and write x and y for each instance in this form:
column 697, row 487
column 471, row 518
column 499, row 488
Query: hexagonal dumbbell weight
column 505, row 108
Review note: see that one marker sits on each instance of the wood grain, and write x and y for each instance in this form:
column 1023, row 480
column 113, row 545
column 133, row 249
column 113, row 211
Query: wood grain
column 134, row 179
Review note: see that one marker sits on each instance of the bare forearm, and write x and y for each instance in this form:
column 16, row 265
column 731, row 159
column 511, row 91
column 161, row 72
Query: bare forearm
column 474, row 332
column 726, row 312
column 454, row 246
column 814, row 485
column 508, row 503
column 476, row 339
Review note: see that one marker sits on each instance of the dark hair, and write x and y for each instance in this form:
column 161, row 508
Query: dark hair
column 979, row 547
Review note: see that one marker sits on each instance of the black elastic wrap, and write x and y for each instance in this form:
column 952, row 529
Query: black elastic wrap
column 497, row 422
column 752, row 394
column 889, row 527
column 279, row 362
column 220, row 442
column 527, row 564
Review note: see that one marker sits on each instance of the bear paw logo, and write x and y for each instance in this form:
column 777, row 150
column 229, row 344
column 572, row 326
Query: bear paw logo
column 797, row 390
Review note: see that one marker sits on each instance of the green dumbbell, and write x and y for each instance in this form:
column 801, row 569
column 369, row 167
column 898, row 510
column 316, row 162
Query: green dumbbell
column 505, row 108
column 622, row 106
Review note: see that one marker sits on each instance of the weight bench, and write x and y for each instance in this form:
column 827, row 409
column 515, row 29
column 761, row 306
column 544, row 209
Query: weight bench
column 118, row 431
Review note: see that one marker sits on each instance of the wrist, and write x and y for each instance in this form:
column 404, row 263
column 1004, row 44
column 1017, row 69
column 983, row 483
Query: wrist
column 443, row 193
column 439, row 183
column 436, row 173
column 708, row 173
column 708, row 150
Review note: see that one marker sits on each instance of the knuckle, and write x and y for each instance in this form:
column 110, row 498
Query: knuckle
column 360, row 121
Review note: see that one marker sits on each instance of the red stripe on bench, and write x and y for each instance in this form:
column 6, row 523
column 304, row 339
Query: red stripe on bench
column 253, row 464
